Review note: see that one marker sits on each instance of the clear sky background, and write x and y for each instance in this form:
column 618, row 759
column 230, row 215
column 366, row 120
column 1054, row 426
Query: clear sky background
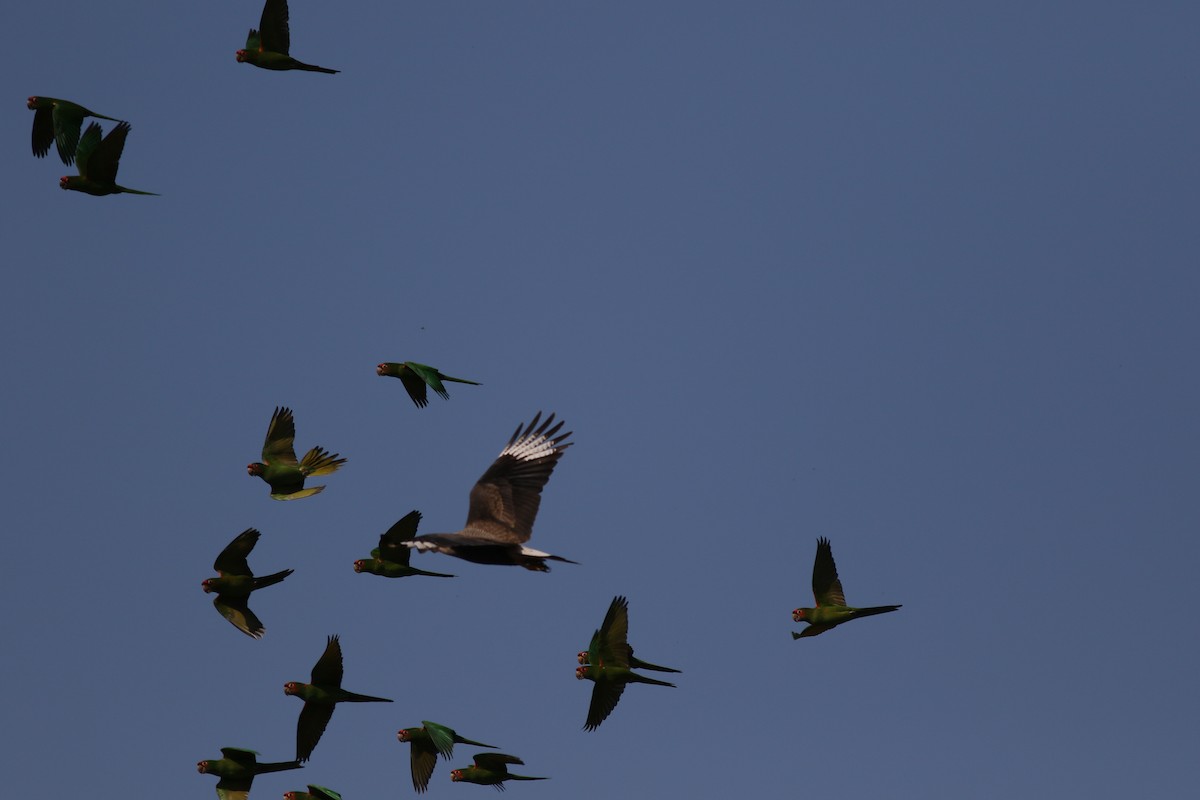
column 918, row 277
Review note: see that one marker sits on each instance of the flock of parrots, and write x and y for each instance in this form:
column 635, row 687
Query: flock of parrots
column 503, row 505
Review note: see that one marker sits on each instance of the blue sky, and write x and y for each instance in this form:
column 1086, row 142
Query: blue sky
column 920, row 278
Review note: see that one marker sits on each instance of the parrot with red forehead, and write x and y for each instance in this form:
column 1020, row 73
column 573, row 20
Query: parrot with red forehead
column 416, row 377
column 279, row 467
column 236, row 770
column 609, row 666
column 58, row 122
column 97, row 161
column 268, row 46
column 426, row 744
column 491, row 769
column 321, row 695
column 831, row 609
column 236, row 582
column 391, row 558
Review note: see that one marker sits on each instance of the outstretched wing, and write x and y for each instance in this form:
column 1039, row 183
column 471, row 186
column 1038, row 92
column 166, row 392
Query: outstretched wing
column 414, row 384
column 43, row 130
column 277, row 449
column 234, row 788
column 430, row 376
column 87, row 146
column 232, row 560
column 612, row 642
column 441, row 736
column 827, row 588
column 496, row 762
column 273, row 27
column 605, row 696
column 313, row 719
column 391, row 543
column 103, row 163
column 68, row 119
column 328, row 669
column 505, row 499
column 239, row 613
column 323, row 793
column 422, row 759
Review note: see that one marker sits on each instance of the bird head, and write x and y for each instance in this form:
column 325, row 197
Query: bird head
column 66, row 181
column 456, row 775
column 207, row 585
column 358, row 567
column 241, row 56
column 33, row 102
column 404, row 734
column 255, row 468
column 583, row 656
column 798, row 615
column 291, row 687
column 289, row 796
column 202, row 767
column 581, row 672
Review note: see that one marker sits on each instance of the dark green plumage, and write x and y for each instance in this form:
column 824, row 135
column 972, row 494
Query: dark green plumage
column 391, row 558
column 279, row 467
column 237, row 769
column 268, row 46
column 831, row 609
column 416, row 377
column 97, row 160
column 236, row 582
column 491, row 769
column 321, row 694
column 609, row 659
column 58, row 122
column 426, row 744
column 314, row 793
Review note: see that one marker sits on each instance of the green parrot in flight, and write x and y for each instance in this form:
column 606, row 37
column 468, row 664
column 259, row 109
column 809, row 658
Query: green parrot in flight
column 416, row 377
column 391, row 558
column 427, row 743
column 609, row 664
column 314, row 793
column 236, row 583
column 58, row 122
column 320, row 696
column 491, row 769
column 505, row 501
column 237, row 769
column 831, row 609
column 279, row 467
column 618, row 608
column 268, row 46
column 97, row 160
